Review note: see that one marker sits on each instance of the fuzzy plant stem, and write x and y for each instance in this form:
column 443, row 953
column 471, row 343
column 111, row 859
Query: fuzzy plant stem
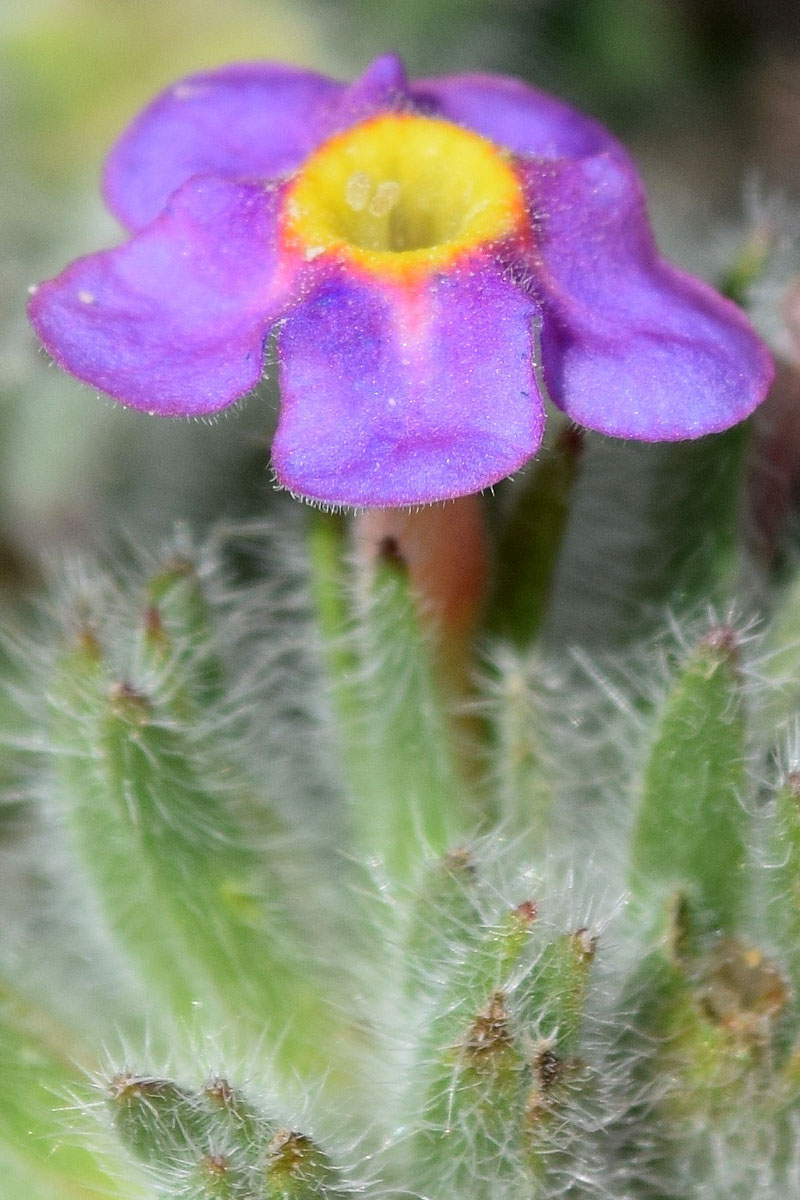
column 397, row 625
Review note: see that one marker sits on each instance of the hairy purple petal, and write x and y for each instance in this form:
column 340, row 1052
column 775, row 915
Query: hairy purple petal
column 631, row 346
column 247, row 121
column 383, row 87
column 516, row 115
column 174, row 321
column 393, row 395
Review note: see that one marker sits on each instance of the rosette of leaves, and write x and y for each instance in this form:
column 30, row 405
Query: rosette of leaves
column 283, row 919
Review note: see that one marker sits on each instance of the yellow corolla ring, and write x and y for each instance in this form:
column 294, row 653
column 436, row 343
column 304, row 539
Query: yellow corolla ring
column 400, row 192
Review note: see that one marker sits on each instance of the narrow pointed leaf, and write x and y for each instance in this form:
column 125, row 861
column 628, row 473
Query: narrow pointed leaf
column 410, row 794
column 443, row 920
column 691, row 826
column 530, row 541
column 157, row 834
column 783, row 877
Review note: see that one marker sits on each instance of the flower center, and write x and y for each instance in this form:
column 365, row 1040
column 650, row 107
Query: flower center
column 401, row 191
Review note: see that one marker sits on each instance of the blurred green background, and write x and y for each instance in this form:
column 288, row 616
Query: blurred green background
column 706, row 93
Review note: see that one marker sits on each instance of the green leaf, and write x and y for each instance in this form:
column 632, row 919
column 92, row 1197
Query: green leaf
column 159, row 1123
column 748, row 264
column 691, row 826
column 195, row 903
column 443, row 919
column 530, row 541
column 199, row 1145
column 709, row 1009
column 327, row 545
column 178, row 639
column 552, row 997
column 236, row 1120
column 483, row 966
column 668, row 538
column 781, row 661
column 48, row 1143
column 471, row 1140
column 518, row 761
column 783, row 876
column 409, row 795
column 693, row 557
column 295, row 1168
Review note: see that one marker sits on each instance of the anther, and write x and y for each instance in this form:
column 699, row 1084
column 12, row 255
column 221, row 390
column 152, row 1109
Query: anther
column 357, row 191
column 386, row 197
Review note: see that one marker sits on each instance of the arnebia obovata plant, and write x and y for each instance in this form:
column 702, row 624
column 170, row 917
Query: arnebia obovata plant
column 349, row 876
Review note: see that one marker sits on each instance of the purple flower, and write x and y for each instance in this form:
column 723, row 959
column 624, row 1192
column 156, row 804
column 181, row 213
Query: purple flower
column 434, row 257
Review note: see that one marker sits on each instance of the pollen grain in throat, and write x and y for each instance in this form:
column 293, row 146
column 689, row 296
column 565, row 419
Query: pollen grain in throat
column 401, row 192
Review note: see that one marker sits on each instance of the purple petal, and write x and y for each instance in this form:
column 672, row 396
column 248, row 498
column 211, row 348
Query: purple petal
column 630, row 345
column 400, row 395
column 515, row 115
column 248, row 121
column 174, row 321
column 383, row 86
